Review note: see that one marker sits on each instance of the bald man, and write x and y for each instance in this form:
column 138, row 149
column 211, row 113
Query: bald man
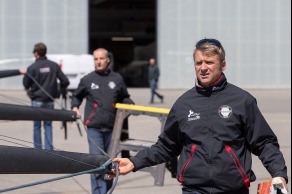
column 102, row 88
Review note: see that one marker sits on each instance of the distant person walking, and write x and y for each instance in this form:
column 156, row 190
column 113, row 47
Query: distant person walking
column 153, row 76
column 40, row 82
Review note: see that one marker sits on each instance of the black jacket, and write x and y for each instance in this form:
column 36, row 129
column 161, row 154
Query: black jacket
column 214, row 131
column 102, row 92
column 153, row 72
column 45, row 73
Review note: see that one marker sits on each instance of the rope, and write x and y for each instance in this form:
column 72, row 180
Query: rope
column 51, row 97
column 100, row 169
column 13, row 99
column 116, row 166
column 91, row 140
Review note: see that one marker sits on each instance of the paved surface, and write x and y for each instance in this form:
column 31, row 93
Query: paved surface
column 274, row 104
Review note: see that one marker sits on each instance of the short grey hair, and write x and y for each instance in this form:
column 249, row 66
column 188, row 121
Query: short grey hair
column 102, row 49
column 211, row 50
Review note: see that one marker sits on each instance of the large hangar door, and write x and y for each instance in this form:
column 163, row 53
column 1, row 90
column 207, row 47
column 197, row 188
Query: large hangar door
column 127, row 28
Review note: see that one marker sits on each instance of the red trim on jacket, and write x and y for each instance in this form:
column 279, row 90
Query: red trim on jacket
column 187, row 163
column 239, row 166
column 91, row 114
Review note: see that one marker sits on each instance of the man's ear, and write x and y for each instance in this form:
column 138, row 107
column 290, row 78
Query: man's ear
column 109, row 64
column 224, row 65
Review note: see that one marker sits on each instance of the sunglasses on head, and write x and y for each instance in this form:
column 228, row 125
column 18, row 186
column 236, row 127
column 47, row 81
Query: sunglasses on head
column 211, row 41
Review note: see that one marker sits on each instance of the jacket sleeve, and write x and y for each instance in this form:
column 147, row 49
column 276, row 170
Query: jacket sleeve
column 27, row 81
column 168, row 146
column 263, row 142
column 158, row 72
column 78, row 95
column 64, row 81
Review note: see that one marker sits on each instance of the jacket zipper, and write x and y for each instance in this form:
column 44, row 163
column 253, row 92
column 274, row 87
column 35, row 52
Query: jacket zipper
column 210, row 145
column 238, row 165
column 187, row 163
column 91, row 114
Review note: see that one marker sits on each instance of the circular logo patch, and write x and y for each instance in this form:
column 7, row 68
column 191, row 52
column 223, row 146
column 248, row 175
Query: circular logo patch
column 112, row 85
column 225, row 111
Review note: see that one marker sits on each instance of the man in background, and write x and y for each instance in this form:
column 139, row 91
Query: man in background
column 102, row 88
column 40, row 82
column 153, row 76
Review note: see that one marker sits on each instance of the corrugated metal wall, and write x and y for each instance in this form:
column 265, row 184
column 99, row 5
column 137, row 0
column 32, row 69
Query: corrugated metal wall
column 61, row 24
column 256, row 35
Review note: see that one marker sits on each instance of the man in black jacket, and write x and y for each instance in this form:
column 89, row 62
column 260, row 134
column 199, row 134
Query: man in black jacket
column 102, row 88
column 40, row 82
column 214, row 128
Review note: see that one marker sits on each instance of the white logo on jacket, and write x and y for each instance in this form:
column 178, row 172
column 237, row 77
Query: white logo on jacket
column 111, row 85
column 193, row 116
column 45, row 70
column 94, row 86
column 225, row 111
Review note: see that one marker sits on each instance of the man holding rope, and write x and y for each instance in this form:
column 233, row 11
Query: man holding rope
column 214, row 128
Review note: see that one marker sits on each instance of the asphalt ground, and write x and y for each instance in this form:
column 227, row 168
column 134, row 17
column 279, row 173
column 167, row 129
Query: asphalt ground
column 274, row 104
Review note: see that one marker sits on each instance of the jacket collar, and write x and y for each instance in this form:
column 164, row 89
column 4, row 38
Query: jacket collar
column 107, row 72
column 217, row 86
column 41, row 58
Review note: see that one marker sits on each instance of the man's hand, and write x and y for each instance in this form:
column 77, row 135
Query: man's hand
column 281, row 184
column 75, row 109
column 22, row 71
column 125, row 165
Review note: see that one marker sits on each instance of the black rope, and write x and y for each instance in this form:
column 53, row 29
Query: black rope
column 13, row 99
column 49, row 95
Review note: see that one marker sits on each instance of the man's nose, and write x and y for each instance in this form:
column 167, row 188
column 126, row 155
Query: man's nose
column 204, row 67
